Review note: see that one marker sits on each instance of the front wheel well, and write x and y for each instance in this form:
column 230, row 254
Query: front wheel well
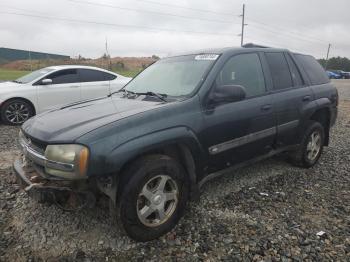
column 323, row 117
column 24, row 99
column 178, row 151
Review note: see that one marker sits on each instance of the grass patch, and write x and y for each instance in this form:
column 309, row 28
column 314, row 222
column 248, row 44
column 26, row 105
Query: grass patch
column 6, row 74
column 128, row 73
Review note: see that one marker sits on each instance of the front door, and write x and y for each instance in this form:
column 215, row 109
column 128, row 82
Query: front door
column 65, row 89
column 238, row 131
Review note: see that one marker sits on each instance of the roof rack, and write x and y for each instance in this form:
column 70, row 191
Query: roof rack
column 252, row 45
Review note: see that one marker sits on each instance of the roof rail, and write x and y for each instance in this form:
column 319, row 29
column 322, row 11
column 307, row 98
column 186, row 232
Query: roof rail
column 252, row 45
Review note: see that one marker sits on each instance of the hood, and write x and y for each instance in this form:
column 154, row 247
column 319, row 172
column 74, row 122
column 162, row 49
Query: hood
column 69, row 123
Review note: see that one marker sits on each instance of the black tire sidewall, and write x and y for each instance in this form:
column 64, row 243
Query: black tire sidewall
column 141, row 172
column 311, row 128
column 8, row 103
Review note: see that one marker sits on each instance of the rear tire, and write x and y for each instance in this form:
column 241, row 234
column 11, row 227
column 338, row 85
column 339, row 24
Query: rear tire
column 311, row 146
column 152, row 197
column 16, row 112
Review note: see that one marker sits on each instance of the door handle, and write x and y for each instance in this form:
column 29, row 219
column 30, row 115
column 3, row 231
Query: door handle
column 74, row 86
column 306, row 98
column 266, row 107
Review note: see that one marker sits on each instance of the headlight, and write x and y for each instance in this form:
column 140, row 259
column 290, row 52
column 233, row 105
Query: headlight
column 67, row 161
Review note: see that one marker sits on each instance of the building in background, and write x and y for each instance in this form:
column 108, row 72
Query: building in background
column 9, row 54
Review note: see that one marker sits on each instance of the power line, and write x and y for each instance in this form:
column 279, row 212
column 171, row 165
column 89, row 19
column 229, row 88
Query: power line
column 21, row 9
column 147, row 11
column 153, row 29
column 275, row 44
column 283, row 33
column 184, row 7
column 293, row 21
column 285, row 29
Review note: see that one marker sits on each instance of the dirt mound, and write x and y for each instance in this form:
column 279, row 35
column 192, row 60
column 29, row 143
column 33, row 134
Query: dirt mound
column 126, row 63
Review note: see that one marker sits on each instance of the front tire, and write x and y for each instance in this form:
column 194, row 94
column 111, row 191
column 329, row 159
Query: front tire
column 311, row 146
column 16, row 112
column 152, row 197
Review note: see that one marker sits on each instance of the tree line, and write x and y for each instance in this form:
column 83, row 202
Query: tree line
column 336, row 63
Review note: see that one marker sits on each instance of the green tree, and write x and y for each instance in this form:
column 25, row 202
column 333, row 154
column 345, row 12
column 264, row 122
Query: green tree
column 336, row 63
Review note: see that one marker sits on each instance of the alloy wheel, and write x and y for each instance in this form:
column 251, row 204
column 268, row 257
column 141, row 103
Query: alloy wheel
column 17, row 113
column 157, row 200
column 313, row 146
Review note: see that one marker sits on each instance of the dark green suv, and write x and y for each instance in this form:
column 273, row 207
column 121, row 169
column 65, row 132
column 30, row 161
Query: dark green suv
column 150, row 146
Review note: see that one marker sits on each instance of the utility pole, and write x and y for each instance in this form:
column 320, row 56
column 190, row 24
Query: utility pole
column 329, row 48
column 30, row 61
column 243, row 24
column 109, row 66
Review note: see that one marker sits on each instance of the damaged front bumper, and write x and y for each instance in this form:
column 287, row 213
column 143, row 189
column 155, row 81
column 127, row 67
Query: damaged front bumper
column 69, row 195
column 76, row 194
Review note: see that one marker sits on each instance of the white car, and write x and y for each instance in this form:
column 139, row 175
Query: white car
column 52, row 86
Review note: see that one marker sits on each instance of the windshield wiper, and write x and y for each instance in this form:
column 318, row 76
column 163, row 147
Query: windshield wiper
column 18, row 82
column 127, row 92
column 150, row 93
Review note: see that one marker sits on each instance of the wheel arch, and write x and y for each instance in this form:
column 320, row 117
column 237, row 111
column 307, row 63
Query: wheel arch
column 323, row 115
column 20, row 98
column 184, row 148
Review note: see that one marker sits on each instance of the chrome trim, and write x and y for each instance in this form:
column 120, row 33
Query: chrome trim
column 213, row 150
column 287, row 126
column 41, row 160
column 59, row 165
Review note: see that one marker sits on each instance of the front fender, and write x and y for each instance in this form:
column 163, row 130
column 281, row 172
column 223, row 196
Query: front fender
column 129, row 150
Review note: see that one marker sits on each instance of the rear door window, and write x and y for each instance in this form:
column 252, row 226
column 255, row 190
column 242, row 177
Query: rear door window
column 280, row 73
column 89, row 75
column 297, row 79
column 313, row 69
column 65, row 76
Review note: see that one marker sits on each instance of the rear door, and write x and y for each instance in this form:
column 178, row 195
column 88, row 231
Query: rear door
column 65, row 89
column 291, row 96
column 94, row 83
column 238, row 131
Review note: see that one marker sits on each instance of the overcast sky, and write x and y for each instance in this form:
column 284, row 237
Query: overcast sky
column 145, row 27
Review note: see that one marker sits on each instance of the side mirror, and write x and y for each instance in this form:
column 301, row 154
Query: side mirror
column 227, row 93
column 46, row 81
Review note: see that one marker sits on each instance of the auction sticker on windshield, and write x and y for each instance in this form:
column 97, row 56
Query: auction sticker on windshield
column 206, row 57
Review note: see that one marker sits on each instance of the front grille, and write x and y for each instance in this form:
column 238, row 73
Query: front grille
column 32, row 151
column 35, row 144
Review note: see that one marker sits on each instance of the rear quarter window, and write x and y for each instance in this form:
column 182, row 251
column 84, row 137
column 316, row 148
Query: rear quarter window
column 313, row 69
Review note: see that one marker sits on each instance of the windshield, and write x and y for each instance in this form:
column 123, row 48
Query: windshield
column 175, row 76
column 33, row 75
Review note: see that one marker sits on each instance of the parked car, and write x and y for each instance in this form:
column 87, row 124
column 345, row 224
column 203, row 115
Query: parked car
column 153, row 144
column 333, row 75
column 51, row 86
column 341, row 73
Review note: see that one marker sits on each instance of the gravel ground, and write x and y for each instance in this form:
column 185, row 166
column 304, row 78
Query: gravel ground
column 270, row 211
